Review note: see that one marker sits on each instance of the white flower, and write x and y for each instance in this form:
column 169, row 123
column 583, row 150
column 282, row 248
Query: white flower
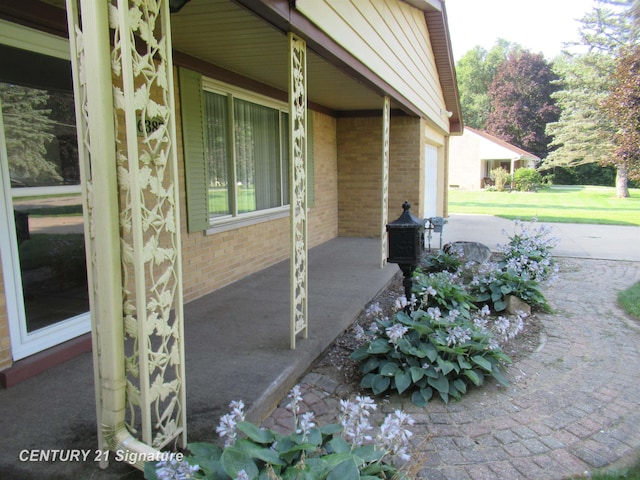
column 306, row 423
column 359, row 332
column 374, row 310
column 394, row 437
column 457, row 335
column 227, row 429
column 396, row 332
column 401, row 302
column 434, row 313
column 354, row 419
column 175, row 470
column 430, row 291
column 237, row 410
column 296, row 397
column 453, row 316
column 501, row 325
column 242, row 475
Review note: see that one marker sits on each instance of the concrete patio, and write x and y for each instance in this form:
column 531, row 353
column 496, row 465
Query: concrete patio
column 237, row 348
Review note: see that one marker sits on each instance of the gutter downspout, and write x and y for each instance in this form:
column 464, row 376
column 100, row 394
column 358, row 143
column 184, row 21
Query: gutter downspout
column 90, row 57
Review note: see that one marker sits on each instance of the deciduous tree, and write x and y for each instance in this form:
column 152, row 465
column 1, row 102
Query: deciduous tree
column 521, row 103
column 586, row 131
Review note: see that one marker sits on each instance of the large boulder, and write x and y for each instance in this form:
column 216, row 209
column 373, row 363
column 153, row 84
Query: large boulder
column 469, row 251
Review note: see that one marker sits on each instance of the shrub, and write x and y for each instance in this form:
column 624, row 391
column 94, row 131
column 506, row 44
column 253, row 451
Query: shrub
column 345, row 450
column 500, row 178
column 432, row 349
column 527, row 180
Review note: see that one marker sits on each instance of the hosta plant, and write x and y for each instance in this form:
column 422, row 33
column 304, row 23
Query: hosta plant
column 528, row 251
column 347, row 450
column 492, row 286
column 430, row 351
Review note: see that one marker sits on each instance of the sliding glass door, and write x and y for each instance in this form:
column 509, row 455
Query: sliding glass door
column 42, row 244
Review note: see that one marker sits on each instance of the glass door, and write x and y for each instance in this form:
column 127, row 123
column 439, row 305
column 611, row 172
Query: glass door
column 42, row 251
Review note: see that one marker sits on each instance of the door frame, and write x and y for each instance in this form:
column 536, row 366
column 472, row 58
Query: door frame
column 24, row 343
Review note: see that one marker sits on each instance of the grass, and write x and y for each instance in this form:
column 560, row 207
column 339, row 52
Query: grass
column 557, row 204
column 629, row 300
column 630, row 473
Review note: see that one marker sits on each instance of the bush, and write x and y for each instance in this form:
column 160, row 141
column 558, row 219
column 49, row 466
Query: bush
column 527, row 180
column 500, row 178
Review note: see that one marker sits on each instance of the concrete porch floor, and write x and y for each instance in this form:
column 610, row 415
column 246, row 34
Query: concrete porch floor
column 237, row 348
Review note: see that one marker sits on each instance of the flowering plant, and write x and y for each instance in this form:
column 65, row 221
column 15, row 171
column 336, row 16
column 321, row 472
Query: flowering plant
column 345, row 450
column 528, row 252
column 448, row 339
column 434, row 348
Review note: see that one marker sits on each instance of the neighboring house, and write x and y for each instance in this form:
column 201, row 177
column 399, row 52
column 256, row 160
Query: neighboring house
column 475, row 153
column 211, row 132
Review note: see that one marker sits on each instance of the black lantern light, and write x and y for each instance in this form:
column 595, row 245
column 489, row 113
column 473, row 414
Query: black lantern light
column 406, row 245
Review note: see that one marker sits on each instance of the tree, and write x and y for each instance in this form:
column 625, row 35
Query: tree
column 521, row 103
column 585, row 131
column 623, row 109
column 29, row 132
column 475, row 72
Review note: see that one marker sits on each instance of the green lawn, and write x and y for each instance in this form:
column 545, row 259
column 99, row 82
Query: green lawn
column 563, row 204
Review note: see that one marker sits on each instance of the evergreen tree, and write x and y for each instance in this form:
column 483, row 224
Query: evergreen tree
column 29, row 132
column 585, row 131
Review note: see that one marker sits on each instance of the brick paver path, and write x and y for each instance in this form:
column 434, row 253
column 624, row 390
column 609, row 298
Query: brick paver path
column 572, row 406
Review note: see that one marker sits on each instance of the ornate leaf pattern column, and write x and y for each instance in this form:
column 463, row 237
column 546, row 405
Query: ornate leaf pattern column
column 128, row 145
column 149, row 220
column 386, row 114
column 298, row 182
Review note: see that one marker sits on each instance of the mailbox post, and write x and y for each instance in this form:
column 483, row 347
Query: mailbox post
column 406, row 246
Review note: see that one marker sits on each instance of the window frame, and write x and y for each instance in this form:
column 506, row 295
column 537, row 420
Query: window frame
column 236, row 219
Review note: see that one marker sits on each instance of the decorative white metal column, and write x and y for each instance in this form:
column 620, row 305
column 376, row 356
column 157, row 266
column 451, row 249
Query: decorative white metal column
column 386, row 114
column 126, row 127
column 298, row 186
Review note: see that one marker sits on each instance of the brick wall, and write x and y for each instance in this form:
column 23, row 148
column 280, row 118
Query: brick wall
column 360, row 171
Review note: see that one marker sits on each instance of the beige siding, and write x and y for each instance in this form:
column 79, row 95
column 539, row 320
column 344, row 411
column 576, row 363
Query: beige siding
column 391, row 38
column 465, row 165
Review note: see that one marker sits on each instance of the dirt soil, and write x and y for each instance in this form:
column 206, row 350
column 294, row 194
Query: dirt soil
column 335, row 361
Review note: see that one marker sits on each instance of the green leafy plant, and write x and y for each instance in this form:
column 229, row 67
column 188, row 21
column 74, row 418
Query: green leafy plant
column 442, row 261
column 527, row 180
column 493, row 287
column 347, row 450
column 427, row 350
column 444, row 339
column 529, row 251
column 500, row 178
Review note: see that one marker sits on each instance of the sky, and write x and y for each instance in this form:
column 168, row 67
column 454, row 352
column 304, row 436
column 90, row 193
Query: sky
column 540, row 26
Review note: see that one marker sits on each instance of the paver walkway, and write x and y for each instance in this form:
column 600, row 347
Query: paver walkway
column 572, row 406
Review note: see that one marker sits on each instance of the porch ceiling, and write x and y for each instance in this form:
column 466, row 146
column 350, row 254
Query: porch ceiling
column 225, row 34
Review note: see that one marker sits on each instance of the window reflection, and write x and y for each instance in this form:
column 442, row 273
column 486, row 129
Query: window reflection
column 41, row 145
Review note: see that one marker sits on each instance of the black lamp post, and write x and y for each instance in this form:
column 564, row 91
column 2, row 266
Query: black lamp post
column 406, row 246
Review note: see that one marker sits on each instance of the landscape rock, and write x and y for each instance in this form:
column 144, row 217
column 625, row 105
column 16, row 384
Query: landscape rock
column 470, row 251
column 515, row 305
